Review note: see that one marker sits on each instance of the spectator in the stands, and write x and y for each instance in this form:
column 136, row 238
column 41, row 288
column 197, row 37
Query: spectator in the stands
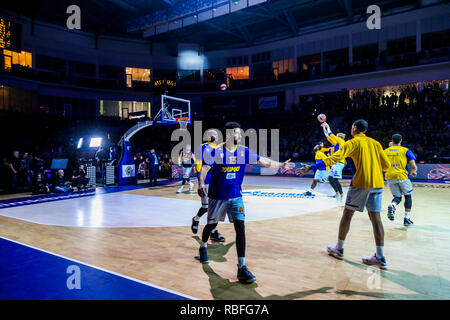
column 61, row 184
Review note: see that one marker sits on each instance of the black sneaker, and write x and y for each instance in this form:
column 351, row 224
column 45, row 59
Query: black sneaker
column 244, row 275
column 203, row 255
column 216, row 236
column 194, row 226
column 407, row 222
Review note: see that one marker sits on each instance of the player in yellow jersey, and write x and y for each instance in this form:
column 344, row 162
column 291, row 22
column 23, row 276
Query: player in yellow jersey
column 319, row 175
column 397, row 177
column 206, row 151
column 365, row 189
column 187, row 160
column 337, row 142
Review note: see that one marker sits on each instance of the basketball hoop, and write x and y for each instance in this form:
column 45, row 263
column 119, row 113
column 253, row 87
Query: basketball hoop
column 183, row 122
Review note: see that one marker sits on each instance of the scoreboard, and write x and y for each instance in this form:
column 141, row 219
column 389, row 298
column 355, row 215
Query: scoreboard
column 10, row 35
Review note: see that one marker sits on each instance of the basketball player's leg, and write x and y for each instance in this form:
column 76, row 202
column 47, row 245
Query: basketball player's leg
column 215, row 235
column 217, row 210
column 356, row 201
column 186, row 178
column 236, row 215
column 407, row 191
column 333, row 181
column 336, row 173
column 196, row 219
column 374, row 208
column 397, row 194
column 344, row 227
column 314, row 183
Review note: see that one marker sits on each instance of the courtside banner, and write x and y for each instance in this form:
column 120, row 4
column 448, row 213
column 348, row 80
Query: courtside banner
column 426, row 171
column 177, row 172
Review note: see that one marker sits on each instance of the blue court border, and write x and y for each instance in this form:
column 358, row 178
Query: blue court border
column 28, row 273
column 30, row 200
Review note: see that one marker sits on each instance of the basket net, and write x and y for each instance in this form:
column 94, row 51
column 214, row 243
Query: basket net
column 183, row 122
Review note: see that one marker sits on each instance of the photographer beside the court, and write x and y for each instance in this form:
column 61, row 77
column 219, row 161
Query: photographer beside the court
column 79, row 179
column 40, row 185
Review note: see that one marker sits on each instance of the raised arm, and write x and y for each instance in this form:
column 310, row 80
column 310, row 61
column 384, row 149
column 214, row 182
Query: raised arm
column 326, row 129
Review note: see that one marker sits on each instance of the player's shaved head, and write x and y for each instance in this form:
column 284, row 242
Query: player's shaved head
column 361, row 125
column 397, row 138
column 232, row 125
column 233, row 136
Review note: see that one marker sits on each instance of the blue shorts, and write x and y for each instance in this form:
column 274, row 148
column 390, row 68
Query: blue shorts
column 218, row 209
column 360, row 198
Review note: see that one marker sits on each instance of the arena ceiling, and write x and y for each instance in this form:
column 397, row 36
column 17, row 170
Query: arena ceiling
column 272, row 20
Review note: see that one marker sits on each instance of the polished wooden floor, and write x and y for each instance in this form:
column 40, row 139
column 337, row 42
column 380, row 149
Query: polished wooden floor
column 286, row 254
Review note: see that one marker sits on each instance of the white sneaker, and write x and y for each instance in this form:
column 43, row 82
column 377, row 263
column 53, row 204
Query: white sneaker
column 335, row 252
column 340, row 200
column 180, row 189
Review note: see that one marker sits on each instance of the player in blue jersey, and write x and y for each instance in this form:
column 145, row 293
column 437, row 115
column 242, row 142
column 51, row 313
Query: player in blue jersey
column 206, row 151
column 227, row 168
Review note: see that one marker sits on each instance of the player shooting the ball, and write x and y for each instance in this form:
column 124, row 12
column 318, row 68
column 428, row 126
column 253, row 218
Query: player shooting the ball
column 365, row 189
column 337, row 142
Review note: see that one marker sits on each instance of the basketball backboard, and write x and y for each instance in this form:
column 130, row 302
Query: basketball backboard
column 173, row 109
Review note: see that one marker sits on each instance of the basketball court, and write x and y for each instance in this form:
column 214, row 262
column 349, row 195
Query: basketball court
column 136, row 243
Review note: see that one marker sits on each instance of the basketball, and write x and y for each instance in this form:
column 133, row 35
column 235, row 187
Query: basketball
column 322, row 118
column 223, row 87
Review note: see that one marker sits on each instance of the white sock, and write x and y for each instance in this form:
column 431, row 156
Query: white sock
column 241, row 261
column 407, row 214
column 380, row 251
column 340, row 244
column 310, row 190
column 214, row 230
column 196, row 218
column 204, row 245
